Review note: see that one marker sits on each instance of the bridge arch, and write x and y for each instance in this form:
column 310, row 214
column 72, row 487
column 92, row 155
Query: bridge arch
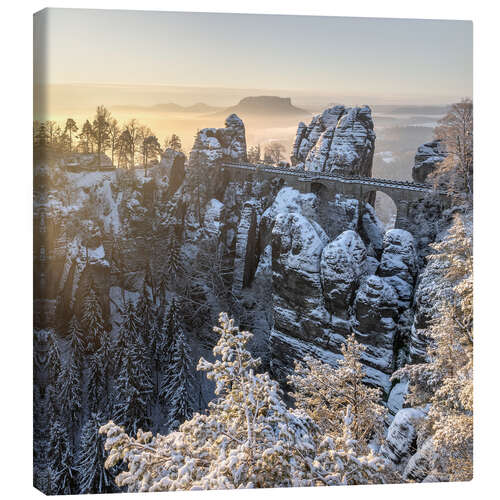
column 384, row 205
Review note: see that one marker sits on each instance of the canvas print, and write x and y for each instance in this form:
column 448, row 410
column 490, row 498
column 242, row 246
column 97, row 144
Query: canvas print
column 252, row 251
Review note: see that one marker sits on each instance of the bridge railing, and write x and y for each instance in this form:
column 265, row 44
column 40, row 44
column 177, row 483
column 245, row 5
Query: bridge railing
column 329, row 176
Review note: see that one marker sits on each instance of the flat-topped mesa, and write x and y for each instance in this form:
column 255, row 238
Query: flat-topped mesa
column 339, row 139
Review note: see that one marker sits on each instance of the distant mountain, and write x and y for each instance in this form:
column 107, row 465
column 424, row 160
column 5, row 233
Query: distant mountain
column 199, row 107
column 265, row 105
column 411, row 109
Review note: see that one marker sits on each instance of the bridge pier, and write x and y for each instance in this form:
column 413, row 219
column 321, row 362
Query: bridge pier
column 402, row 212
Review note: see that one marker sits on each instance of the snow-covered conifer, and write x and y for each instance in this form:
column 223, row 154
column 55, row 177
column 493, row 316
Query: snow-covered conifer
column 95, row 384
column 177, row 385
column 324, row 392
column 69, row 392
column 173, row 263
column 77, row 341
column 62, row 475
column 53, row 360
column 92, row 319
column 131, row 407
column 92, row 475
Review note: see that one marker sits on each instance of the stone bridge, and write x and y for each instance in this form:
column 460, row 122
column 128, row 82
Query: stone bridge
column 403, row 193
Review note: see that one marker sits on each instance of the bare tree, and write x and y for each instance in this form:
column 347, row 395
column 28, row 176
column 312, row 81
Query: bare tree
column 174, row 142
column 253, row 154
column 455, row 131
column 100, row 128
column 70, row 128
column 274, row 151
column 114, row 135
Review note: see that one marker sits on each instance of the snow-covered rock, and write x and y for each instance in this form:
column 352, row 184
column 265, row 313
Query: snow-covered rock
column 211, row 146
column 288, row 200
column 376, row 312
column 173, row 162
column 419, row 464
column 245, row 257
column 427, row 159
column 399, row 256
column 401, row 438
column 342, row 264
column 338, row 139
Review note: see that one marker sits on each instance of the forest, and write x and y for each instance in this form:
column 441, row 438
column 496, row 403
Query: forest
column 145, row 376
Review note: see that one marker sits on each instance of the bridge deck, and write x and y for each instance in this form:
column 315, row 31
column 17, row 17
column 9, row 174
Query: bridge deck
column 312, row 176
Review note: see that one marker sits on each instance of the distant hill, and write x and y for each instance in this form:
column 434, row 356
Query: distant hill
column 411, row 109
column 265, row 105
column 199, row 107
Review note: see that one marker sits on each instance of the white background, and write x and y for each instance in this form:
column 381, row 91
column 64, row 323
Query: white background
column 16, row 235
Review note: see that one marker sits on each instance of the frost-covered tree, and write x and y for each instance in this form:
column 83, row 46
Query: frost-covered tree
column 173, row 264
column 69, row 392
column 53, row 360
column 325, row 392
column 62, row 475
column 145, row 313
column 132, row 396
column 134, row 384
column 92, row 319
column 247, row 437
column 455, row 130
column 96, row 384
column 130, row 330
column 445, row 382
column 104, row 356
column 77, row 341
column 177, row 385
column 93, row 477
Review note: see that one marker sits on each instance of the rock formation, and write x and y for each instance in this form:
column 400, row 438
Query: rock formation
column 428, row 157
column 340, row 139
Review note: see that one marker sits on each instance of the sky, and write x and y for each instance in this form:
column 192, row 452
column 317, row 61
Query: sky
column 310, row 58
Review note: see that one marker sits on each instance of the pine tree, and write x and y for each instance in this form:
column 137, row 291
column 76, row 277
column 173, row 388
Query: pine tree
column 131, row 407
column 130, row 327
column 158, row 350
column 95, row 384
column 324, row 393
column 69, row 392
column 77, row 341
column 176, row 389
column 173, row 263
column 104, row 357
column 62, row 475
column 92, row 319
column 92, row 475
column 53, row 360
column 134, row 385
column 145, row 314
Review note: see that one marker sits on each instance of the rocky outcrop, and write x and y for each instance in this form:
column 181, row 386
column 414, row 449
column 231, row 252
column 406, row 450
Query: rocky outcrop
column 342, row 264
column 340, row 139
column 398, row 264
column 427, row 159
column 374, row 323
column 245, row 258
column 173, row 161
column 212, row 146
column 401, row 440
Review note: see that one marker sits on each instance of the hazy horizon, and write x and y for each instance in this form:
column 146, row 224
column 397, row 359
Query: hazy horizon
column 224, row 57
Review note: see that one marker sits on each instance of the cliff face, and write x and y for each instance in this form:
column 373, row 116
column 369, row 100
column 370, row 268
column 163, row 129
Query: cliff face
column 339, row 139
